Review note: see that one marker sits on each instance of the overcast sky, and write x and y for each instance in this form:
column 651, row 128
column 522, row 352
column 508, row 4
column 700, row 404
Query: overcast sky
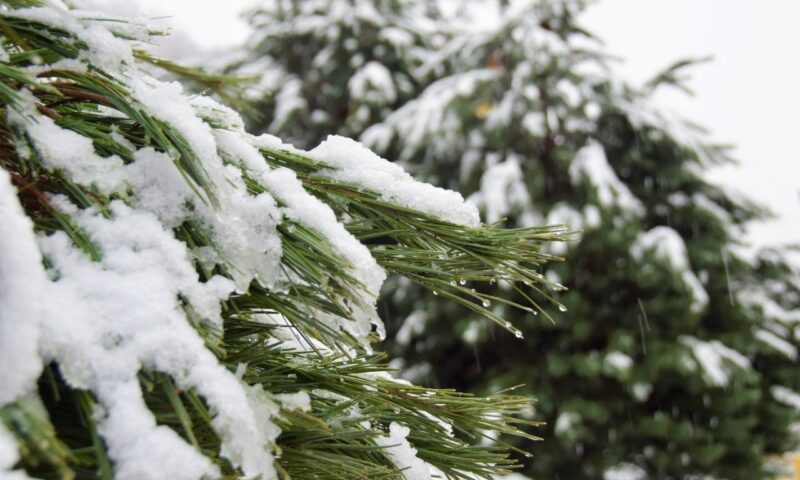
column 749, row 95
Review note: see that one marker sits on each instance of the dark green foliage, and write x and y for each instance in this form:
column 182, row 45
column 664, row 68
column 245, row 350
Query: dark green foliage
column 538, row 92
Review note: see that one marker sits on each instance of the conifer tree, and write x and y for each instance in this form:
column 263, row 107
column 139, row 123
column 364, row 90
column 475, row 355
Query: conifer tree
column 335, row 66
column 182, row 299
column 676, row 355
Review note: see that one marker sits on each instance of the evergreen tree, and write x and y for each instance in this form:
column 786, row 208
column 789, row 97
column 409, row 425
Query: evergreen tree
column 335, row 66
column 667, row 365
column 181, row 299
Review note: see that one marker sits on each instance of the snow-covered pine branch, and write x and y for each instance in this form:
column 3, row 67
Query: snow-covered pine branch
column 181, row 299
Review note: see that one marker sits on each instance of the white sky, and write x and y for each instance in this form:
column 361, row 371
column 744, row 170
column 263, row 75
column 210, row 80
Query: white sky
column 748, row 96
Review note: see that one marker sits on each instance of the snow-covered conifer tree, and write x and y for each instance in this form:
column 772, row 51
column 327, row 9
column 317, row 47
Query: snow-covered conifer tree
column 675, row 357
column 182, row 299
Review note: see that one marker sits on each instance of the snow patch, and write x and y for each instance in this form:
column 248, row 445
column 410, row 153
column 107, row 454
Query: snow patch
column 23, row 283
column 9, row 456
column 625, row 471
column 402, row 454
column 777, row 343
column 714, row 358
column 590, row 164
column 355, row 164
column 667, row 244
column 372, row 84
column 786, row 396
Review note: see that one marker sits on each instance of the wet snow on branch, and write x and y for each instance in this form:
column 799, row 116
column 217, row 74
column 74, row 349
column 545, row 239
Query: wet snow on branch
column 715, row 359
column 22, row 284
column 131, row 296
column 590, row 164
column 667, row 244
column 355, row 164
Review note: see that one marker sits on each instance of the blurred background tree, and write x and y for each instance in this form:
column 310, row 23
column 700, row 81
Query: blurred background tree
column 678, row 354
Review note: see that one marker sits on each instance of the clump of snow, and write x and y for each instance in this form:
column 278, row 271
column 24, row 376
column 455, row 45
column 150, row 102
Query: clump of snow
column 618, row 361
column 641, row 391
column 104, row 50
column 786, row 395
column 715, row 358
column 502, row 189
column 403, row 455
column 667, row 244
column 111, row 318
column 22, row 284
column 563, row 214
column 590, row 164
column 413, row 325
column 355, row 164
column 295, row 401
column 373, row 84
column 625, row 471
column 299, row 205
column 566, row 422
column 777, row 343
column 9, row 455
column 288, row 101
column 771, row 309
column 62, row 149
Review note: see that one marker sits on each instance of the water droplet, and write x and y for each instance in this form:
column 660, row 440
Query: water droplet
column 435, row 292
column 518, row 334
column 462, row 281
column 508, row 325
column 535, row 313
column 486, row 303
column 453, row 283
column 562, row 308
